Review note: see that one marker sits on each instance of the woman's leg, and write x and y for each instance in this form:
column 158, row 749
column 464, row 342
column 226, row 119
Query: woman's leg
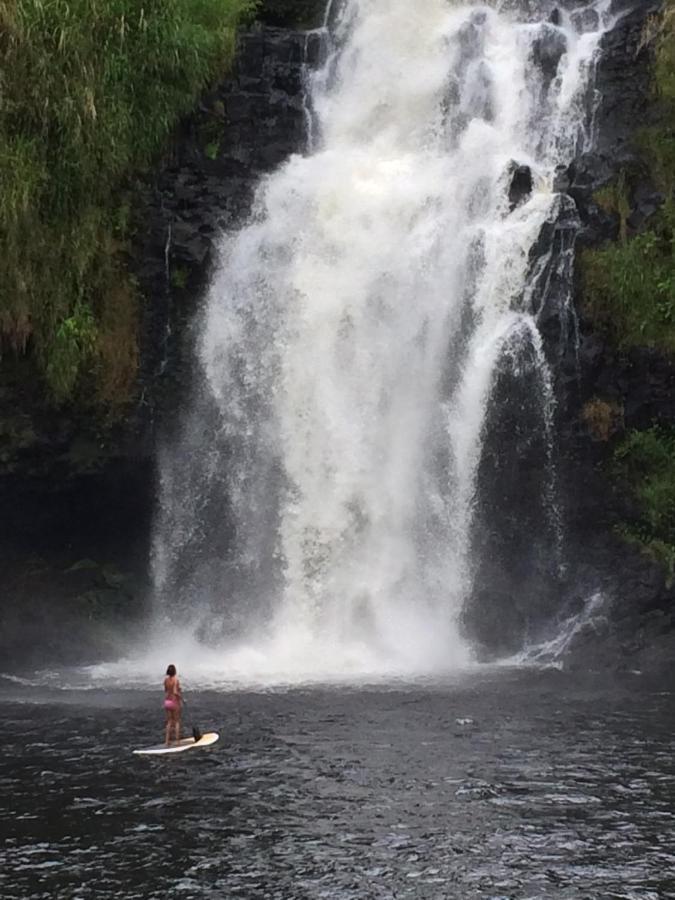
column 167, row 729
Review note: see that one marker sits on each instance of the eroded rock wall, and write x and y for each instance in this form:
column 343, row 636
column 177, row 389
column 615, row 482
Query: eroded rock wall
column 523, row 590
column 637, row 384
column 77, row 498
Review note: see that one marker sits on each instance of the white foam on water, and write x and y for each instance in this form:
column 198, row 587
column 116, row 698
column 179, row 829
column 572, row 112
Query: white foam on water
column 260, row 665
column 551, row 652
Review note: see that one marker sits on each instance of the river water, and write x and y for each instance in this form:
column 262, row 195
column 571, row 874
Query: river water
column 504, row 783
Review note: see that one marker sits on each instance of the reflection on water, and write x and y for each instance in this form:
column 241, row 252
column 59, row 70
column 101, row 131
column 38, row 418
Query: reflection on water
column 516, row 785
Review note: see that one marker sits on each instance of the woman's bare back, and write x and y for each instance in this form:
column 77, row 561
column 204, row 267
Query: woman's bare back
column 172, row 688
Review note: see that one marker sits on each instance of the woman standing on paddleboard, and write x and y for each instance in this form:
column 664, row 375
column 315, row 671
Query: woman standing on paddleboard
column 173, row 701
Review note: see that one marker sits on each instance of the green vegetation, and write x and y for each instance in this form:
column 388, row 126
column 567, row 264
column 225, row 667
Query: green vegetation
column 613, row 198
column 629, row 287
column 629, row 291
column 89, row 91
column 644, row 461
column 179, row 277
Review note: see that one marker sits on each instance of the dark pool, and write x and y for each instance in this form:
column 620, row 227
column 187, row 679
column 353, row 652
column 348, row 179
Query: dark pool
column 509, row 784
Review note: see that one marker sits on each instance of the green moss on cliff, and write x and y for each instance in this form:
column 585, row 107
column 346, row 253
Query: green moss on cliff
column 644, row 461
column 629, row 287
column 657, row 142
column 629, row 291
column 89, row 90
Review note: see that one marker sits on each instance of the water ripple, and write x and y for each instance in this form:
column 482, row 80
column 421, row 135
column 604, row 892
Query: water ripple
column 561, row 791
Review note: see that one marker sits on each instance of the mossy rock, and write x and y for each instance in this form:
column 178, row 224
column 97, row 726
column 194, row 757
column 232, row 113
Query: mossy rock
column 113, row 577
column 102, row 603
column 18, row 432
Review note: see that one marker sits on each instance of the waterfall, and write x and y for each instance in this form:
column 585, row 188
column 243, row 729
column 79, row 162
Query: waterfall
column 316, row 505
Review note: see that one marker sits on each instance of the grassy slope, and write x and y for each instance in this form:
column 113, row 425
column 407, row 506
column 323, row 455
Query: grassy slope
column 89, row 90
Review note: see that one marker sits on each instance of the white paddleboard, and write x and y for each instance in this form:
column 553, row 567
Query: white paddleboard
column 186, row 744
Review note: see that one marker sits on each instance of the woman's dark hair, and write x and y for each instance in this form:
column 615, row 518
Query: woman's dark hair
column 171, row 671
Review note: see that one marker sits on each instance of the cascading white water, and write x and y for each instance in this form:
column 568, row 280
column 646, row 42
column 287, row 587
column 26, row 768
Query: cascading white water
column 316, row 513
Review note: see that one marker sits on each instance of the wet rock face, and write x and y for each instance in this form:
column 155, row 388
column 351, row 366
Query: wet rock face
column 520, row 187
column 516, row 544
column 292, row 13
column 623, row 80
column 541, row 10
column 547, row 51
column 246, row 126
column 551, row 280
column 497, row 621
column 513, row 535
column 624, row 84
column 635, row 379
column 639, row 383
column 586, row 20
column 519, row 592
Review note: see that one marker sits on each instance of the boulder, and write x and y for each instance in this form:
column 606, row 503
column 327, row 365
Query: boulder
column 646, row 203
column 495, row 621
column 520, row 187
column 547, row 50
column 586, row 20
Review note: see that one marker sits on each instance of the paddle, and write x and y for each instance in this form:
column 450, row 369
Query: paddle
column 196, row 732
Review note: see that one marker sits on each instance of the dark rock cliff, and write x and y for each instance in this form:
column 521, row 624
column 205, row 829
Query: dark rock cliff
column 524, row 588
column 636, row 384
column 78, row 499
column 246, row 126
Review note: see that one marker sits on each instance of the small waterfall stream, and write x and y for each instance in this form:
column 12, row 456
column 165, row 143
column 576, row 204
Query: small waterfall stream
column 316, row 508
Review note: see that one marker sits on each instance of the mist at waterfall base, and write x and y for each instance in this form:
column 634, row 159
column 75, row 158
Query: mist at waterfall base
column 318, row 502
